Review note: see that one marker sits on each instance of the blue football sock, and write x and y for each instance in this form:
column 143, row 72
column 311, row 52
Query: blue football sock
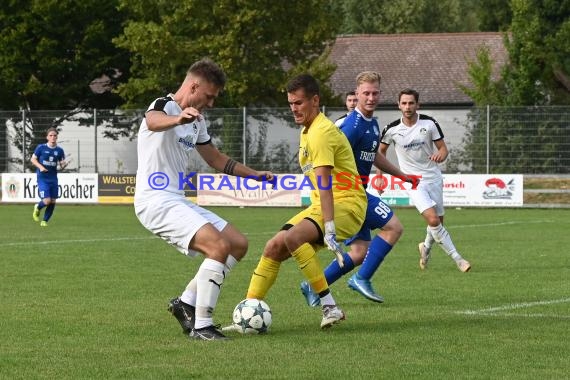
column 41, row 204
column 377, row 251
column 333, row 272
column 49, row 211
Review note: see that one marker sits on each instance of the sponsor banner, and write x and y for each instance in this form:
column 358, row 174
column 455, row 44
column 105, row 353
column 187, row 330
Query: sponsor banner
column 487, row 190
column 392, row 194
column 233, row 191
column 73, row 188
column 120, row 188
column 117, row 188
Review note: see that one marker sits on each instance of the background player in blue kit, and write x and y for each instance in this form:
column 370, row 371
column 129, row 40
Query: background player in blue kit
column 363, row 133
column 46, row 157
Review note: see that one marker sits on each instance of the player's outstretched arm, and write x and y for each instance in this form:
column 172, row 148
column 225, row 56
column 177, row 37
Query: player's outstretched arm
column 223, row 163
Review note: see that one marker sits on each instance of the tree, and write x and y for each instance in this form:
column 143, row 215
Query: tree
column 537, row 74
column 403, row 16
column 59, row 55
column 51, row 51
column 259, row 44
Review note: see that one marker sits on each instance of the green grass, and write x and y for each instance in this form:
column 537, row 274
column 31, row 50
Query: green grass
column 86, row 298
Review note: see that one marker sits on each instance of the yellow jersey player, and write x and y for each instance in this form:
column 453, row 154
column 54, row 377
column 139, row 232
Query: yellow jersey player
column 338, row 203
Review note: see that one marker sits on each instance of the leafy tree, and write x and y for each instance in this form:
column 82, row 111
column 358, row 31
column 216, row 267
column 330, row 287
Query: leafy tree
column 536, row 75
column 493, row 15
column 402, row 16
column 258, row 44
column 58, row 55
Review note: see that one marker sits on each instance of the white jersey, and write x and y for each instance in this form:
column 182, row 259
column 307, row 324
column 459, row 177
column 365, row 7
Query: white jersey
column 414, row 146
column 163, row 156
column 338, row 122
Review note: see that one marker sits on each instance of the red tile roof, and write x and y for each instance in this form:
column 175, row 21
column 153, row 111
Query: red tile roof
column 431, row 63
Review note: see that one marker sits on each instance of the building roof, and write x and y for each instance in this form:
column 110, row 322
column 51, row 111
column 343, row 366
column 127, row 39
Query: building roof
column 433, row 63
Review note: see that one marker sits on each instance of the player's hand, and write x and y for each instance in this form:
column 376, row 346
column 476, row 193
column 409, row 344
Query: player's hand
column 414, row 180
column 268, row 177
column 188, row 115
column 332, row 244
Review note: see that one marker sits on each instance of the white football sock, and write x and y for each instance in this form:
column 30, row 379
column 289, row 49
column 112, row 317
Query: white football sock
column 209, row 280
column 428, row 241
column 189, row 294
column 328, row 299
column 441, row 236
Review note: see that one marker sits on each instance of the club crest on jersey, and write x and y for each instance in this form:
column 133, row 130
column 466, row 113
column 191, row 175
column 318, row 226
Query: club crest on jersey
column 423, row 131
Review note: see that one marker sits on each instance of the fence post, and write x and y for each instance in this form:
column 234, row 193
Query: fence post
column 488, row 136
column 244, row 134
column 23, row 141
column 78, row 156
column 94, row 140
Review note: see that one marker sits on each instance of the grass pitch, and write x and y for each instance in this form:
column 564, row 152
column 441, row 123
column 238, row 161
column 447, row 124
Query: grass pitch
column 86, row 297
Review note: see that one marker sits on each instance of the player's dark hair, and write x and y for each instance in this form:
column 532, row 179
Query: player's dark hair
column 350, row 93
column 210, row 71
column 52, row 129
column 305, row 82
column 409, row 91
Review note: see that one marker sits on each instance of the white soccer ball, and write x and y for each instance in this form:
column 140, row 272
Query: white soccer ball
column 252, row 316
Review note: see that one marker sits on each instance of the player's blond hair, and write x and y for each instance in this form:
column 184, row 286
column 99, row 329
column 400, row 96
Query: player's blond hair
column 368, row 77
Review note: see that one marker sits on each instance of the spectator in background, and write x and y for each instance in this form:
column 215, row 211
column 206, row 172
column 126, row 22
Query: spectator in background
column 351, row 101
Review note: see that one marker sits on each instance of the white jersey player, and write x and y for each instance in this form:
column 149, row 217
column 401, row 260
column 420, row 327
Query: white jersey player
column 173, row 126
column 418, row 141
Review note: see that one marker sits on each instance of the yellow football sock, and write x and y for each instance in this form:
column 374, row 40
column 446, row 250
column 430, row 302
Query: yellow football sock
column 263, row 278
column 309, row 263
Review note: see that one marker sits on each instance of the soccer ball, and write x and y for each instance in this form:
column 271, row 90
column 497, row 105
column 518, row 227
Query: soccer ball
column 252, row 316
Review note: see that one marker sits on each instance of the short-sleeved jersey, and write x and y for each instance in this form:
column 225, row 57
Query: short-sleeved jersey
column 166, row 152
column 338, row 122
column 323, row 144
column 414, row 146
column 49, row 157
column 364, row 136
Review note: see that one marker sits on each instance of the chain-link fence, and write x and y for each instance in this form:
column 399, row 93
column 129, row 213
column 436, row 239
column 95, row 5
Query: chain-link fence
column 525, row 140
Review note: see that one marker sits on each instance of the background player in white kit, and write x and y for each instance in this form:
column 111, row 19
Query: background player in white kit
column 173, row 127
column 418, row 141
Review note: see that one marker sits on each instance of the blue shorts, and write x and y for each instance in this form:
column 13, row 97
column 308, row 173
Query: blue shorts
column 378, row 214
column 48, row 190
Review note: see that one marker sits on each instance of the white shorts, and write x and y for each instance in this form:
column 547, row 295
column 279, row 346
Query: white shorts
column 175, row 219
column 427, row 195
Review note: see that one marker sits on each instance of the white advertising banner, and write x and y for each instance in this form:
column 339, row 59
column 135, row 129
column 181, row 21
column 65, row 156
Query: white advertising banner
column 486, row 190
column 73, row 188
column 224, row 190
column 477, row 190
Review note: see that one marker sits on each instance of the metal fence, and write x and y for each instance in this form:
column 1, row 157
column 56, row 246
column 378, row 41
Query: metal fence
column 525, row 140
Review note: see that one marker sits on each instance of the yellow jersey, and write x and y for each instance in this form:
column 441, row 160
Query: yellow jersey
column 324, row 144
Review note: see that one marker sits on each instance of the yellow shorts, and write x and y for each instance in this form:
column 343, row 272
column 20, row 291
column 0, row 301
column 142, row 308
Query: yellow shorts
column 348, row 218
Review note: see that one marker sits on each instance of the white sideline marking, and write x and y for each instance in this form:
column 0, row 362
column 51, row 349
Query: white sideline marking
column 248, row 234
column 497, row 311
column 73, row 241
column 509, row 223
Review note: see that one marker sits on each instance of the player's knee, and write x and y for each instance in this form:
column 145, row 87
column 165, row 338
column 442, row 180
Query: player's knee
column 276, row 249
column 218, row 249
column 239, row 247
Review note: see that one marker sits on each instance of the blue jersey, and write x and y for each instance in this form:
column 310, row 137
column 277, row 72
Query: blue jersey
column 364, row 137
column 49, row 158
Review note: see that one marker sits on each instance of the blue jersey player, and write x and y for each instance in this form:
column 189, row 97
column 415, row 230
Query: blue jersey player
column 363, row 133
column 46, row 157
